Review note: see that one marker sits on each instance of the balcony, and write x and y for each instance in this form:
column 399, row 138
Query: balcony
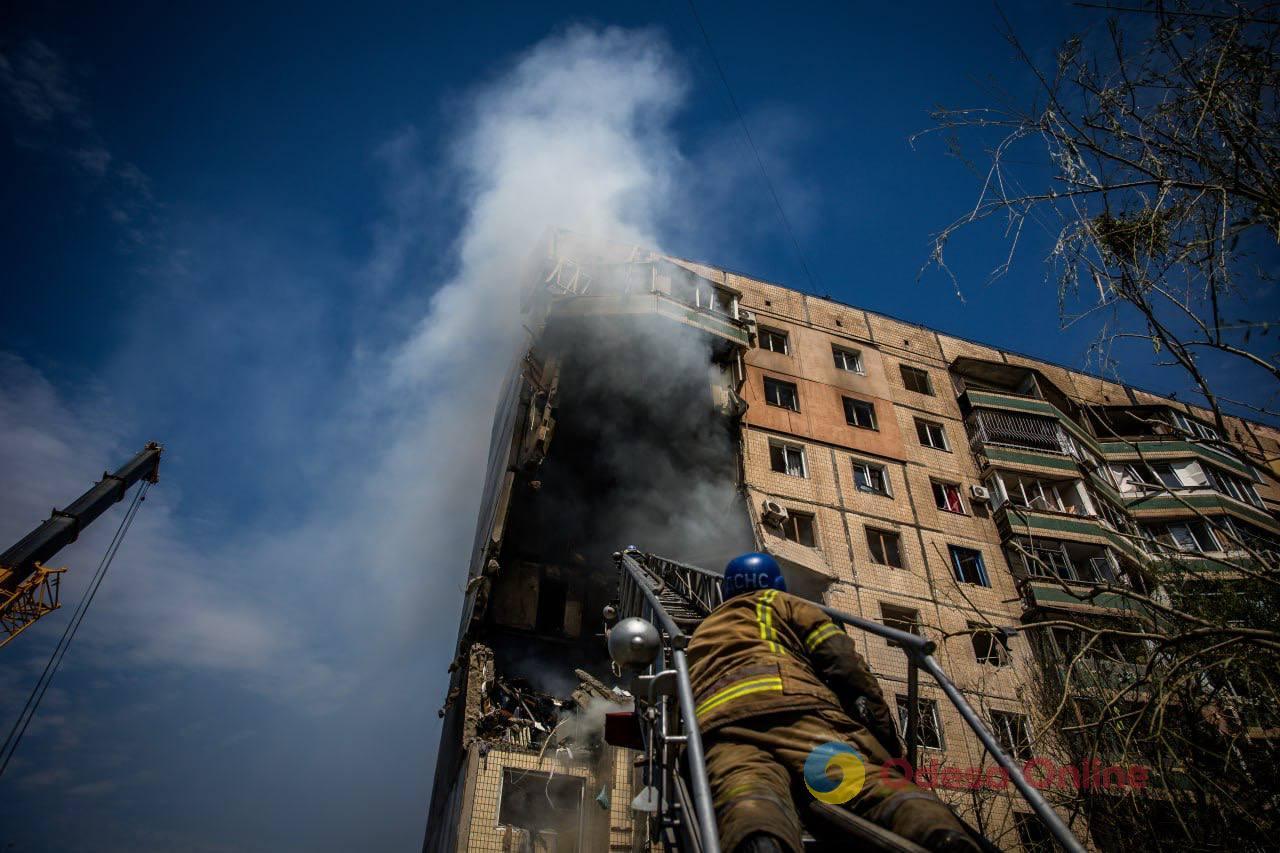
column 1013, row 521
column 993, row 428
column 1072, row 562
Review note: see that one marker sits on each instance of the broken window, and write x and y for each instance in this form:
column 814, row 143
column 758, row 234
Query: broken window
column 1233, row 486
column 915, row 379
column 787, row 459
column 1012, row 733
column 885, row 547
column 1154, row 476
column 552, row 596
column 540, row 812
column 847, row 359
column 1033, row 493
column 990, row 645
column 903, row 618
column 859, row 413
column 774, row 341
column 1047, row 561
column 870, row 477
column 1190, row 535
column 798, row 527
column 1194, row 428
column 931, row 434
column 1033, row 834
column 968, row 566
column 781, row 394
column 928, row 724
column 947, row 497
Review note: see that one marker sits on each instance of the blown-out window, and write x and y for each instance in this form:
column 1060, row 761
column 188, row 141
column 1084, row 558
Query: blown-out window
column 781, row 394
column 915, row 379
column 968, row 566
column 929, row 725
column 787, row 459
column 885, row 547
column 859, row 413
column 849, row 360
column 774, row 341
column 870, row 477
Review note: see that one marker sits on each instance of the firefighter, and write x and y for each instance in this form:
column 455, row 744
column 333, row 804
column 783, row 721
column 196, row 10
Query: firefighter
column 775, row 680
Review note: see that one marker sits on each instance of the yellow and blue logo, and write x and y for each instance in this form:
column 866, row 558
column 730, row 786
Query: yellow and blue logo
column 834, row 773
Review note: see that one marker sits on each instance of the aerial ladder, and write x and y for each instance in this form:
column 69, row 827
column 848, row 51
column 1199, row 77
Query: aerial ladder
column 660, row 604
column 29, row 589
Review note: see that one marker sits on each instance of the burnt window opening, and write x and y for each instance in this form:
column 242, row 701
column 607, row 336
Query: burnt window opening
column 915, row 379
column 774, row 341
column 886, row 547
column 799, row 528
column 903, row 618
column 552, row 596
column 990, row 645
column 781, row 394
column 859, row 413
column 541, row 812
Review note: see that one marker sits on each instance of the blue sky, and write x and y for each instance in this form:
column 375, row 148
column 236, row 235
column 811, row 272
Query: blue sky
column 274, row 239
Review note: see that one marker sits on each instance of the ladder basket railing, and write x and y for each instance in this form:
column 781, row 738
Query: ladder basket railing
column 687, row 827
column 643, row 576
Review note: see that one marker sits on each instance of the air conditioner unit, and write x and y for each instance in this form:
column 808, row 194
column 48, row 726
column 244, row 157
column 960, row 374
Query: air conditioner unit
column 980, row 493
column 774, row 512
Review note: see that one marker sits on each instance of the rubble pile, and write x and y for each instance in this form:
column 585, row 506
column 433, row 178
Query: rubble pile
column 513, row 712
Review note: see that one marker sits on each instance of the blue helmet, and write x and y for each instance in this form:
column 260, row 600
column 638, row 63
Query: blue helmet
column 751, row 572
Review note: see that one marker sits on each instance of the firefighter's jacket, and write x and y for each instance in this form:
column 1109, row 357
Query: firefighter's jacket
column 768, row 651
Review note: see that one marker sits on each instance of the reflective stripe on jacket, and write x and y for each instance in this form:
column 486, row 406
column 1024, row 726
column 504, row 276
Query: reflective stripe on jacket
column 769, row 651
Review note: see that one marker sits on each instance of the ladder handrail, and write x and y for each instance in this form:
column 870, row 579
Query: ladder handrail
column 705, row 814
column 919, row 652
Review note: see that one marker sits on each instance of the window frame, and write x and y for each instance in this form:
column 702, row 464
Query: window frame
column 917, row 375
column 998, row 642
column 851, row 405
column 782, row 384
column 859, row 367
column 895, row 537
column 771, row 334
column 943, row 485
column 957, row 569
column 791, row 523
column 922, row 429
column 884, row 477
column 907, row 619
column 787, row 447
column 1020, row 745
column 931, row 705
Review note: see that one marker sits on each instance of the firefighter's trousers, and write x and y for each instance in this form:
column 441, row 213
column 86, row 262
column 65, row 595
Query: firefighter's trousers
column 755, row 765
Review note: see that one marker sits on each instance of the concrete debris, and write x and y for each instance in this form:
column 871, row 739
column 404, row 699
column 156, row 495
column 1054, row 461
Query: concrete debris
column 513, row 712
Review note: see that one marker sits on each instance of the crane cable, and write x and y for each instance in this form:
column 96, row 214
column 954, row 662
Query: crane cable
column 59, row 652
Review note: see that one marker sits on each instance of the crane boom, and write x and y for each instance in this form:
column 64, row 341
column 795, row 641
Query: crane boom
column 28, row 589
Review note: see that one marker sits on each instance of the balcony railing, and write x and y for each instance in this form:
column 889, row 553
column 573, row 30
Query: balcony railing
column 1026, row 432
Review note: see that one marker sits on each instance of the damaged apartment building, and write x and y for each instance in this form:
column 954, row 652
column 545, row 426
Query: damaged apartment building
column 895, row 472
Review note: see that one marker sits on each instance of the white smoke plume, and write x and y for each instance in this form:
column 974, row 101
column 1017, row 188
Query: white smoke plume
column 353, row 569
